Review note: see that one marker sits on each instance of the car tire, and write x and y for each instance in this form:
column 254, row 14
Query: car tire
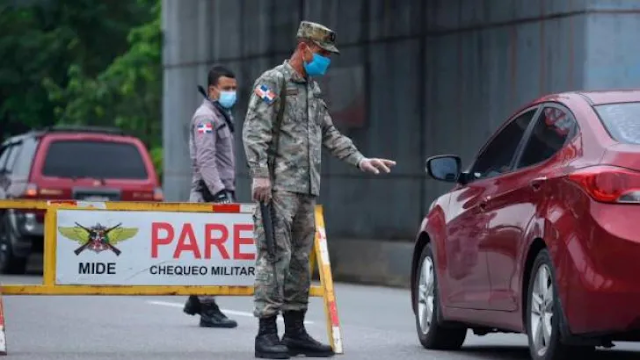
column 543, row 315
column 431, row 332
column 9, row 262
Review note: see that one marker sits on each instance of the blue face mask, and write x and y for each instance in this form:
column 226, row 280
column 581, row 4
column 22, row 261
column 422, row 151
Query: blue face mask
column 227, row 99
column 318, row 66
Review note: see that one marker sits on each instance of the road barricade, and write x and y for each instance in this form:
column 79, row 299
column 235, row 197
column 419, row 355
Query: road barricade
column 140, row 248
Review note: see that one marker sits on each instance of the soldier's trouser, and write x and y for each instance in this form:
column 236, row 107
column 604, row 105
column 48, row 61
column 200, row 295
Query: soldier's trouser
column 288, row 288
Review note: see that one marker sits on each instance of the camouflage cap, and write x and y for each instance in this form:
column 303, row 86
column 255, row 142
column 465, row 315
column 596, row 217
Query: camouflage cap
column 319, row 34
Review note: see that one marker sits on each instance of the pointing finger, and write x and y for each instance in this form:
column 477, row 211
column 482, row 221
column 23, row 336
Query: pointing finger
column 370, row 167
column 381, row 165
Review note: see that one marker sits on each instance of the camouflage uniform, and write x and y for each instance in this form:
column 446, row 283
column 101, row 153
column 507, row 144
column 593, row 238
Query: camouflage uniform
column 295, row 174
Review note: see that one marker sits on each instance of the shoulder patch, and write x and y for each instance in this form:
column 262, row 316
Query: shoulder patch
column 204, row 127
column 265, row 93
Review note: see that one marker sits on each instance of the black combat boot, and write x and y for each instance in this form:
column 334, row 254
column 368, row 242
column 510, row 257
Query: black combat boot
column 192, row 306
column 211, row 316
column 298, row 341
column 268, row 344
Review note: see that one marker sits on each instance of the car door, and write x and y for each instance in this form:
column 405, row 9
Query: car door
column 515, row 200
column 467, row 269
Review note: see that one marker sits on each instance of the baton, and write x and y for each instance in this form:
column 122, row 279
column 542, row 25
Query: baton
column 269, row 232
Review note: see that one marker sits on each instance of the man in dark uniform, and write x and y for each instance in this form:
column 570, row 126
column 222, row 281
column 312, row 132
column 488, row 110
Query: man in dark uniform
column 213, row 165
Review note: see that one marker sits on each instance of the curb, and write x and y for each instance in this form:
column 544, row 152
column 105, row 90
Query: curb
column 372, row 262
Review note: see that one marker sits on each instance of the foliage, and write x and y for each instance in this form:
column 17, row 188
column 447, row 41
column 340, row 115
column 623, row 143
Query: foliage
column 156, row 157
column 126, row 94
column 91, row 62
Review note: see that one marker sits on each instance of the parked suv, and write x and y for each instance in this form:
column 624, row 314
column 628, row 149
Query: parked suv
column 81, row 163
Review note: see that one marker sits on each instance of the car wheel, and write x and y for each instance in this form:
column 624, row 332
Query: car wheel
column 543, row 315
column 9, row 262
column 432, row 334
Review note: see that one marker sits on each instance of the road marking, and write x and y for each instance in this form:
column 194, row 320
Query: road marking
column 227, row 311
column 172, row 304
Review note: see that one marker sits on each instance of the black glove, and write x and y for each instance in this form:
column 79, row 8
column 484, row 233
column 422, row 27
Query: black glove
column 222, row 197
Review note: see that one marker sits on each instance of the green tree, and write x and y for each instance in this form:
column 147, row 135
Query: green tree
column 40, row 41
column 127, row 93
column 90, row 62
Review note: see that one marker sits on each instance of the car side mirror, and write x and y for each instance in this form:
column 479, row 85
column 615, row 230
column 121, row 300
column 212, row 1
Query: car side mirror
column 444, row 167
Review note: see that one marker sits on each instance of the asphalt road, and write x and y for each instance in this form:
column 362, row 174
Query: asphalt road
column 377, row 324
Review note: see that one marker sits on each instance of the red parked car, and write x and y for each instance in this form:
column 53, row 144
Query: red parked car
column 66, row 162
column 541, row 234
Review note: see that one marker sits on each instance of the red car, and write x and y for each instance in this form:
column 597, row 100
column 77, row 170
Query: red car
column 541, row 234
column 66, row 162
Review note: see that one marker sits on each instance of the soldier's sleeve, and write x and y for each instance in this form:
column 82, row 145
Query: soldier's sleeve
column 339, row 145
column 204, row 139
column 258, row 124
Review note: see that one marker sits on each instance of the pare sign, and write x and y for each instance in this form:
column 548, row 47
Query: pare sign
column 97, row 247
column 219, row 240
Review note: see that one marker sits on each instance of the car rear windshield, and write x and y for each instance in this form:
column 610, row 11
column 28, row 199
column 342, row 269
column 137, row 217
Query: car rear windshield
column 94, row 159
column 622, row 121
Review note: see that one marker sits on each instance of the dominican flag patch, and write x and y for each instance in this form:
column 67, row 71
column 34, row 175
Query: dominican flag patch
column 204, row 128
column 265, row 94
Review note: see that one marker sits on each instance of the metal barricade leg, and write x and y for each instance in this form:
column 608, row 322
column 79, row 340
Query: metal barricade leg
column 326, row 281
column 3, row 336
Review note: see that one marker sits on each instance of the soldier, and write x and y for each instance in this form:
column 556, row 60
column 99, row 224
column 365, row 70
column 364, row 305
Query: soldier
column 213, row 164
column 287, row 124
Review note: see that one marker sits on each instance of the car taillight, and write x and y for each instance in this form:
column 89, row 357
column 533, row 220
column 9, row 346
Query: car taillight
column 609, row 184
column 30, row 192
column 158, row 195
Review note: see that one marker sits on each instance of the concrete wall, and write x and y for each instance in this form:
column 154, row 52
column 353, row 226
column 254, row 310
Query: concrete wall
column 415, row 78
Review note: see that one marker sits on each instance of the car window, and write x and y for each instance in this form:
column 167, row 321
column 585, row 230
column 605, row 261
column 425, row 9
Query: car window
column 22, row 164
column 4, row 154
column 622, row 121
column 11, row 159
column 498, row 154
column 553, row 129
column 94, row 159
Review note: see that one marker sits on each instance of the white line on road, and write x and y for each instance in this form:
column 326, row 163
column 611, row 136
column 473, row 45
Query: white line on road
column 172, row 304
column 227, row 311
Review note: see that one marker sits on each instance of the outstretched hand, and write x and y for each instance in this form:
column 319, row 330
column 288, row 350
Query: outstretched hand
column 374, row 165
